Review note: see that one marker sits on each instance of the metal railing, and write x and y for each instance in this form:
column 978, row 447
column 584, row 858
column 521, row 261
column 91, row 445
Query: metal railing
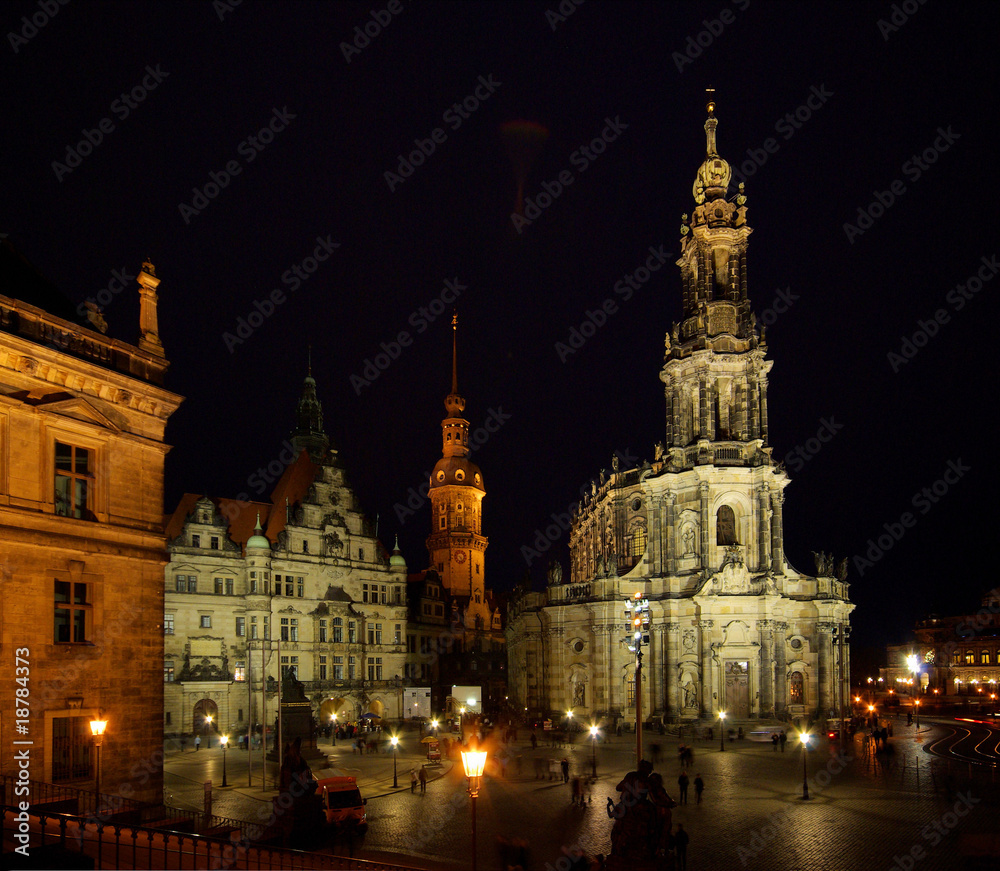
column 136, row 847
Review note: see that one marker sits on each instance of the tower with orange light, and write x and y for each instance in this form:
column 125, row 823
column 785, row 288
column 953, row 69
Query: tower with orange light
column 456, row 544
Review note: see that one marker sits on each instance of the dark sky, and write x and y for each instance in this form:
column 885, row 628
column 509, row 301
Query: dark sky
column 838, row 302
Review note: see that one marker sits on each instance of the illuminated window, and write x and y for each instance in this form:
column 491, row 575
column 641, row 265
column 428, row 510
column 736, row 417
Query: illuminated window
column 637, row 541
column 630, row 693
column 168, row 624
column 984, row 658
column 72, row 613
column 796, row 692
column 74, row 481
column 970, row 657
column 956, row 658
column 168, row 671
column 240, row 673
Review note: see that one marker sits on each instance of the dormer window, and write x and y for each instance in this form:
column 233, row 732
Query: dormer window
column 195, row 540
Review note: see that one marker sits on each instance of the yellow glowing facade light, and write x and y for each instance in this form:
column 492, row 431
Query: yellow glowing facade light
column 97, row 727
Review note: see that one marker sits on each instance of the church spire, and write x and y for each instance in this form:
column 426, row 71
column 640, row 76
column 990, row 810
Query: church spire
column 454, row 403
column 308, row 433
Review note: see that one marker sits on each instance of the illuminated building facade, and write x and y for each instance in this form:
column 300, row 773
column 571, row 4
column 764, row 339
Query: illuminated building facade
column 82, row 419
column 698, row 532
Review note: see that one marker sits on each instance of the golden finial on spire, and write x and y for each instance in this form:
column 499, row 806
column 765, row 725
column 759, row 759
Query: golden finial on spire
column 710, row 93
column 454, row 351
column 710, row 124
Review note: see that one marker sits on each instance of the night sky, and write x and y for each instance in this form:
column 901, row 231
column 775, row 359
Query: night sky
column 821, row 109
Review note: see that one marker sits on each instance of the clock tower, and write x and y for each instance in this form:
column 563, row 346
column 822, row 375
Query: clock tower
column 456, row 544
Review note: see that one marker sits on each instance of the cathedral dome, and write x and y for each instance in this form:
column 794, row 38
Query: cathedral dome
column 457, row 471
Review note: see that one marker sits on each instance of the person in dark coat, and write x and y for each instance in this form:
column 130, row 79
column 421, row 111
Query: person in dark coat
column 699, row 787
column 681, row 840
column 682, row 783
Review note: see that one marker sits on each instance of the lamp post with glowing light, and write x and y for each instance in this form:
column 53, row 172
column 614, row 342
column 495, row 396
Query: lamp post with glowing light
column 394, row 740
column 97, row 728
column 637, row 623
column 208, row 729
column 333, row 726
column 593, row 744
column 474, row 761
column 804, row 738
column 916, row 707
column 722, row 731
column 224, row 742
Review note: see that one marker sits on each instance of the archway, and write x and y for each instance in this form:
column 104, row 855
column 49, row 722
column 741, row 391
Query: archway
column 331, row 707
column 377, row 708
column 205, row 718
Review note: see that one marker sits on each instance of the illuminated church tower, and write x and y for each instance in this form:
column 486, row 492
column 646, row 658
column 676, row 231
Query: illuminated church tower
column 698, row 531
column 456, row 544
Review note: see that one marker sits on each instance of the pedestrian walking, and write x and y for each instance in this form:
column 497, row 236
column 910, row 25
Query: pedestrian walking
column 774, row 741
column 699, row 787
column 413, row 780
column 534, row 741
column 682, row 783
column 681, row 840
column 564, row 764
column 197, row 742
column 577, row 791
column 782, row 740
column 423, row 780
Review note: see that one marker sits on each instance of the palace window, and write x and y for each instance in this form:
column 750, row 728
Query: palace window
column 71, row 743
column 192, row 584
column 241, row 626
column 74, row 482
column 240, row 673
column 338, row 630
column 384, row 596
column 290, row 666
column 195, row 540
column 322, row 667
column 277, row 585
column 168, row 671
column 351, row 668
column 374, row 633
column 364, row 592
column 267, row 628
column 956, row 658
column 218, row 586
column 352, row 632
column 289, row 629
column 397, row 637
column 289, row 585
column 725, row 526
column 796, row 694
column 229, row 586
column 72, row 613
column 630, row 693
column 214, row 542
column 970, row 657
column 305, row 545
column 322, row 631
column 253, row 628
column 206, row 621
column 338, row 668
column 375, row 668
column 168, row 624
column 984, row 657
column 637, row 541
column 301, row 587
column 361, row 554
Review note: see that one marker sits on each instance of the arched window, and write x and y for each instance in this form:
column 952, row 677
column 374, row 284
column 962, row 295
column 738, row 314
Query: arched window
column 984, row 658
column 796, row 695
column 970, row 657
column 725, row 526
column 637, row 542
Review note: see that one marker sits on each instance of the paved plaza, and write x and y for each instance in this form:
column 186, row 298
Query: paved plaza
column 903, row 810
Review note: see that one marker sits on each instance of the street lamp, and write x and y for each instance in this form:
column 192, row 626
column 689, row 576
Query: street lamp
column 593, row 760
column 637, row 625
column 333, row 726
column 916, row 706
column 394, row 741
column 569, row 720
column 474, row 761
column 224, row 741
column 208, row 729
column 722, row 731
column 804, row 738
column 97, row 727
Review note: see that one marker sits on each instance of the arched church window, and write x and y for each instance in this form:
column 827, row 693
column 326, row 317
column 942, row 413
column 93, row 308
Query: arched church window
column 725, row 526
column 637, row 542
column 795, row 689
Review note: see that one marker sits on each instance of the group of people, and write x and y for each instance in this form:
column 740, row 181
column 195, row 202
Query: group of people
column 682, row 786
column 779, row 738
column 420, row 777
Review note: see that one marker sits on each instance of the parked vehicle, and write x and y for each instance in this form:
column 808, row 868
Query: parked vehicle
column 342, row 802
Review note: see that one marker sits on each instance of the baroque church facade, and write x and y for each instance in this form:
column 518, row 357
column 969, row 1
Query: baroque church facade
column 698, row 532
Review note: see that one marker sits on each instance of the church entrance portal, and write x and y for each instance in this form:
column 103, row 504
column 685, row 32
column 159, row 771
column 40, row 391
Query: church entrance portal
column 737, row 690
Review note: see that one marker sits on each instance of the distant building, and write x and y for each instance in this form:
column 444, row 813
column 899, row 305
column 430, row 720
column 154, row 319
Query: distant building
column 298, row 585
column 698, row 532
column 455, row 635
column 954, row 658
column 82, row 420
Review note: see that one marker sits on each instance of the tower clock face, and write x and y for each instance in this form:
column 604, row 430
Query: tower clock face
column 460, row 557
